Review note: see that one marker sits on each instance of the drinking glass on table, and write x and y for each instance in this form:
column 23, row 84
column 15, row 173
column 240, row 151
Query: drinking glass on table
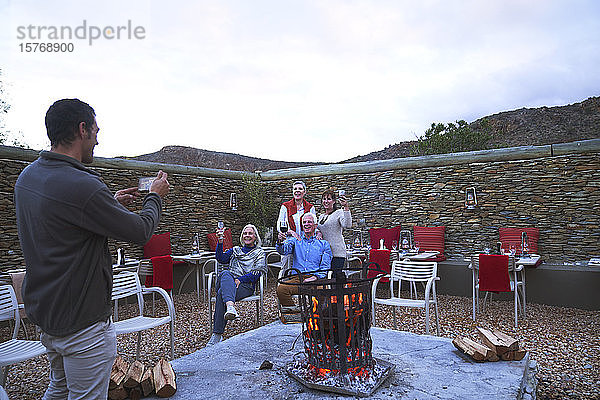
column 512, row 250
column 195, row 244
column 394, row 245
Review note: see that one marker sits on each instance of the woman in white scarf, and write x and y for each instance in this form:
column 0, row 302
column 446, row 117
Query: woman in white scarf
column 246, row 263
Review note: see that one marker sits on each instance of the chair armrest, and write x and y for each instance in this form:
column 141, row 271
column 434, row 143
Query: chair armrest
column 430, row 285
column 165, row 295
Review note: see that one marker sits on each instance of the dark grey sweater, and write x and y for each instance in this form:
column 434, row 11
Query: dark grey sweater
column 65, row 214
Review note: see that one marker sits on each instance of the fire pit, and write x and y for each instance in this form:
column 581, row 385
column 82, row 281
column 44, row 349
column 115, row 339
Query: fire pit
column 336, row 318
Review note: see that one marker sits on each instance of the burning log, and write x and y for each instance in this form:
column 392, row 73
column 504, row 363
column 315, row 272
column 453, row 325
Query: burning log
column 164, row 379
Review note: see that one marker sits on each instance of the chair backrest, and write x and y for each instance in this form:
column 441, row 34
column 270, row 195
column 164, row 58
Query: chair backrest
column 158, row 245
column 493, row 272
column 16, row 279
column 413, row 271
column 127, row 284
column 381, row 258
column 145, row 268
column 512, row 237
column 9, row 309
column 387, row 234
column 227, row 240
column 430, row 238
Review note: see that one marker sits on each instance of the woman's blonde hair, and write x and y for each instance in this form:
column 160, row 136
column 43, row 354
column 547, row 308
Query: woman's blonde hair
column 258, row 241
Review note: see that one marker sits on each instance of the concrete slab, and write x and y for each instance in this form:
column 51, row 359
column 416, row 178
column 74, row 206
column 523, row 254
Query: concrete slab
column 427, row 367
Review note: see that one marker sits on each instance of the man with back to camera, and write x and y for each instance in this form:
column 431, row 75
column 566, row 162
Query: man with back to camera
column 309, row 255
column 65, row 215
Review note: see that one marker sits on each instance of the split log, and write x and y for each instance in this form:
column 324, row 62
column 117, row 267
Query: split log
column 515, row 355
column 118, row 393
column 498, row 341
column 164, row 379
column 135, row 393
column 478, row 352
column 134, row 375
column 118, row 372
column 147, row 382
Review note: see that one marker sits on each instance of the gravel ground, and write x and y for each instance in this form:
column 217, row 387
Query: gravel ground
column 565, row 342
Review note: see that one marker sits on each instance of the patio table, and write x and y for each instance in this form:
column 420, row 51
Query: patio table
column 198, row 263
column 414, row 256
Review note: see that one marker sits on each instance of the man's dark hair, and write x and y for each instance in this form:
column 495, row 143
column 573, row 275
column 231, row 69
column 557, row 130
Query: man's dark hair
column 63, row 119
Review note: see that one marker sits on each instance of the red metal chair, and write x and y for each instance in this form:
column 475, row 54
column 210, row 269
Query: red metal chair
column 213, row 240
column 382, row 258
column 158, row 251
column 387, row 234
column 492, row 274
column 431, row 238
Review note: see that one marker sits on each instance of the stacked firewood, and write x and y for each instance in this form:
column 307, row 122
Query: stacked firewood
column 496, row 346
column 133, row 381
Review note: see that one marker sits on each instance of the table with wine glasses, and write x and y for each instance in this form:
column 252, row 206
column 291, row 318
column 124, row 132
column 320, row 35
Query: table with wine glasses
column 198, row 263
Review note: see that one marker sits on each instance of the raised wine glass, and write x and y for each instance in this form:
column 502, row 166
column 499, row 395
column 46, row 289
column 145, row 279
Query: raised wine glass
column 282, row 226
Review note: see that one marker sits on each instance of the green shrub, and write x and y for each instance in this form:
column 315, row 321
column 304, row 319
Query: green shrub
column 257, row 205
column 453, row 138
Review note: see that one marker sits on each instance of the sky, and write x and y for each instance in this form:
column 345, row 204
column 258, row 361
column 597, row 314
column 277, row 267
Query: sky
column 292, row 80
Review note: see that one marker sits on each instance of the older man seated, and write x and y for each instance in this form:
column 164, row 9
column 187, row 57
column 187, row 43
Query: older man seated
column 309, row 255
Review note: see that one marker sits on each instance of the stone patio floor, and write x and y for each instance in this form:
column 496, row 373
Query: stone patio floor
column 426, row 367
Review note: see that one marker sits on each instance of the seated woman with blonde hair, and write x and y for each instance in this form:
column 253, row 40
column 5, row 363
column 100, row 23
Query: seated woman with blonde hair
column 246, row 263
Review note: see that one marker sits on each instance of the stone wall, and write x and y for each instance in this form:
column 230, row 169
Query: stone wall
column 194, row 204
column 559, row 195
column 558, row 192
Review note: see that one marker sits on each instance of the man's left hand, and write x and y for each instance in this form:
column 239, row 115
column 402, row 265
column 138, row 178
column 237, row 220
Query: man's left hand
column 237, row 283
column 127, row 196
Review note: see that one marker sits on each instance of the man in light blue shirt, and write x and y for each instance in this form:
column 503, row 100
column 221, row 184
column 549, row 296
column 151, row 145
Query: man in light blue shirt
column 309, row 255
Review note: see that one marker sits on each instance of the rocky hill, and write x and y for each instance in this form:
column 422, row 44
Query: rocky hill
column 525, row 126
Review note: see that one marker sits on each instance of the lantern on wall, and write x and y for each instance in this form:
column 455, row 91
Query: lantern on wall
column 470, row 198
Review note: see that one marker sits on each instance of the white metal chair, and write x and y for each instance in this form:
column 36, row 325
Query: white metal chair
column 258, row 296
column 410, row 272
column 516, row 277
column 16, row 279
column 275, row 262
column 14, row 350
column 128, row 284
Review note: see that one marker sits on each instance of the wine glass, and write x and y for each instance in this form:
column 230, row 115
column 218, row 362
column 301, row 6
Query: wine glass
column 394, row 245
column 195, row 245
column 282, row 226
column 512, row 250
column 417, row 247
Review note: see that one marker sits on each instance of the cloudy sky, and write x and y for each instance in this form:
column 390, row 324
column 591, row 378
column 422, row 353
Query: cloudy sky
column 305, row 80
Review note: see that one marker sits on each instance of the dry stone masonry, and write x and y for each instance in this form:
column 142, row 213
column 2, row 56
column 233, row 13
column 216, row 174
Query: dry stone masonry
column 559, row 193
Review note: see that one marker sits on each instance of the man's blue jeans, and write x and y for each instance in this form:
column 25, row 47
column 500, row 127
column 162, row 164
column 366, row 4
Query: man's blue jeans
column 226, row 291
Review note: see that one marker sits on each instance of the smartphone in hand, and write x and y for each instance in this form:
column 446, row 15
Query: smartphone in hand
column 145, row 183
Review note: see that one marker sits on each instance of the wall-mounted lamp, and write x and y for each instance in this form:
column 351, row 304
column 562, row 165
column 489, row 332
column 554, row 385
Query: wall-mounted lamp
column 233, row 201
column 470, row 198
